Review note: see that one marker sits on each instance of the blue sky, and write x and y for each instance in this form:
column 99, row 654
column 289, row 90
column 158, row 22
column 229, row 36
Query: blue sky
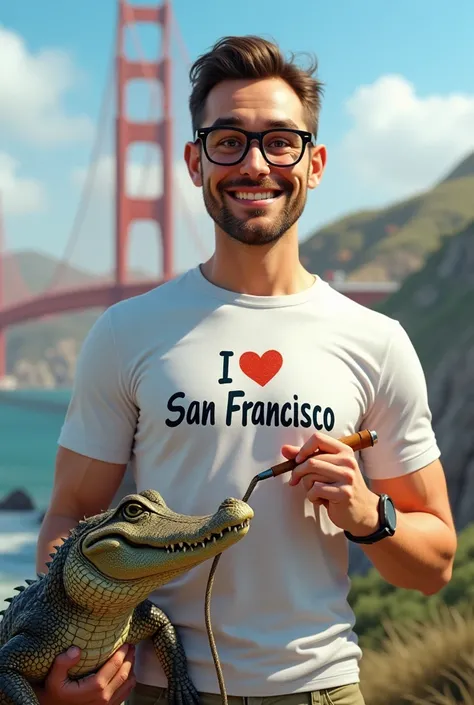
column 398, row 108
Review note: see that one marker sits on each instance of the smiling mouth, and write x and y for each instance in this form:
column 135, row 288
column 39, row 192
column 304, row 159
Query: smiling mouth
column 255, row 197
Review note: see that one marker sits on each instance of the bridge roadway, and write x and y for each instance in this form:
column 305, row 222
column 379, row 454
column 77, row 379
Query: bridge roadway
column 97, row 296
column 104, row 295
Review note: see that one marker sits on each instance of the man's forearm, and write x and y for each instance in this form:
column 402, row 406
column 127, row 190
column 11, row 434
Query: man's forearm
column 53, row 529
column 419, row 556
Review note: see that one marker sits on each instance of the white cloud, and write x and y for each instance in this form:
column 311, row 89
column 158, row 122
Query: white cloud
column 401, row 141
column 32, row 91
column 19, row 195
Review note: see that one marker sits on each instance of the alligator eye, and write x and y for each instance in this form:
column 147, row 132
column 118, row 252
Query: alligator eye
column 132, row 510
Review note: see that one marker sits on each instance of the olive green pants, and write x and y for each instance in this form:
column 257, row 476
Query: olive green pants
column 343, row 695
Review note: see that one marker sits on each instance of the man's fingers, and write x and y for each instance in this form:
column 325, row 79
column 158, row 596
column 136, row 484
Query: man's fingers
column 121, row 695
column 323, row 470
column 122, row 676
column 58, row 673
column 289, row 452
column 322, row 491
column 322, row 442
column 111, row 668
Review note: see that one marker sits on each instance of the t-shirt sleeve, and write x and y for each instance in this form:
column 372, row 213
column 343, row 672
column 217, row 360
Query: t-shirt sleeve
column 101, row 418
column 400, row 414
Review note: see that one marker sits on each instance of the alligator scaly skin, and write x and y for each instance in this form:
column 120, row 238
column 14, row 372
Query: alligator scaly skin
column 94, row 595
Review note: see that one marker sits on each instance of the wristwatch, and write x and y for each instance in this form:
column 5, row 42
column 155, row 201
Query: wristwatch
column 387, row 523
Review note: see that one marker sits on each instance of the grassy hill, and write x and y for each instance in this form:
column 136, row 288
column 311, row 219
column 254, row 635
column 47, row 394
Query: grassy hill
column 436, row 303
column 393, row 242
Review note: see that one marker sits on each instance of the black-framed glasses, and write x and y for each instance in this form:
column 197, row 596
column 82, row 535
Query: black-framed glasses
column 227, row 146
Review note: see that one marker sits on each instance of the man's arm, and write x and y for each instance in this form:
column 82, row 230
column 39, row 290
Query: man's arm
column 420, row 555
column 82, row 487
column 96, row 438
column 403, row 464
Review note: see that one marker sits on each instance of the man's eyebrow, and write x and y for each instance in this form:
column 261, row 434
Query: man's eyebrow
column 234, row 121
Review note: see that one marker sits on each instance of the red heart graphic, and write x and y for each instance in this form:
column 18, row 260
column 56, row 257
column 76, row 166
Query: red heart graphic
column 261, row 368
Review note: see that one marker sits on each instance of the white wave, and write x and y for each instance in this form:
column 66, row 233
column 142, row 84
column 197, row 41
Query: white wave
column 18, row 538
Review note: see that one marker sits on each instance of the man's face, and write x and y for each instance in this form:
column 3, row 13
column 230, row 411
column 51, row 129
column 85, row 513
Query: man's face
column 255, row 105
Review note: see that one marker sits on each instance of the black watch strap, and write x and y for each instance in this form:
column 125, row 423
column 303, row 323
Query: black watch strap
column 387, row 523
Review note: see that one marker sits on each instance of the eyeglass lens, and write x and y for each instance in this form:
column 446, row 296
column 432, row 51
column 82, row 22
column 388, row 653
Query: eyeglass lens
column 226, row 146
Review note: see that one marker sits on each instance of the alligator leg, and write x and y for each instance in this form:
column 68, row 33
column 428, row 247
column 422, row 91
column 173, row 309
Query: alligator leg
column 150, row 622
column 21, row 659
column 15, row 689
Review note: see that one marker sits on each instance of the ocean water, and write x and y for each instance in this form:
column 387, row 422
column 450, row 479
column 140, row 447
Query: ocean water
column 30, row 422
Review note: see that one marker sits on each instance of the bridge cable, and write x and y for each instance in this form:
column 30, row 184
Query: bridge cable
column 90, row 178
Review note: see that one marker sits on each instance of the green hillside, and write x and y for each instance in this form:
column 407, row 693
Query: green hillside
column 436, row 304
column 393, row 242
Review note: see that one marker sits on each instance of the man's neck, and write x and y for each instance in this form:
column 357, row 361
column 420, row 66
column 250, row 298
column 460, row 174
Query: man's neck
column 267, row 270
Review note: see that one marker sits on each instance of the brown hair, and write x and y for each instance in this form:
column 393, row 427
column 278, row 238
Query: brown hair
column 247, row 58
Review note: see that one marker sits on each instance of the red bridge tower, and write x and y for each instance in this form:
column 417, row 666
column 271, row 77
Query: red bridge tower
column 159, row 133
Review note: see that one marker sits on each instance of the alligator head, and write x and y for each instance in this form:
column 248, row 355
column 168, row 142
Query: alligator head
column 120, row 556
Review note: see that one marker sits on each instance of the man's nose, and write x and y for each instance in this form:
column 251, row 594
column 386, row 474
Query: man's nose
column 254, row 164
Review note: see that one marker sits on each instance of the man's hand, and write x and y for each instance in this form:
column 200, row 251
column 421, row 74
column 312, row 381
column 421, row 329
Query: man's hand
column 111, row 684
column 334, row 479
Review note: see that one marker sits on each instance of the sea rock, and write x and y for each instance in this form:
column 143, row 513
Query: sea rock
column 17, row 501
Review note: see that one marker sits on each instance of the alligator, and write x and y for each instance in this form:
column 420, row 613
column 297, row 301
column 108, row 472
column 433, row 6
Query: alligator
column 95, row 593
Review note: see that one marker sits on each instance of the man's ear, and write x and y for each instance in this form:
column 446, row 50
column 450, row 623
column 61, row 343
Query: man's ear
column 192, row 157
column 317, row 165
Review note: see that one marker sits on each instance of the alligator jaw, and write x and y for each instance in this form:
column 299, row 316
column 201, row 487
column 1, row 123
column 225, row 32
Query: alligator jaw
column 96, row 543
column 162, row 542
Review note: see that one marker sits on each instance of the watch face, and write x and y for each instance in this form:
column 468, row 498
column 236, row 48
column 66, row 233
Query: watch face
column 390, row 514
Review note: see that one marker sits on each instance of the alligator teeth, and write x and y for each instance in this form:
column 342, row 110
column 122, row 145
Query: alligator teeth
column 181, row 545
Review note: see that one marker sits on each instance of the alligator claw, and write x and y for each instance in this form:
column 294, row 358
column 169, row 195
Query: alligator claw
column 183, row 692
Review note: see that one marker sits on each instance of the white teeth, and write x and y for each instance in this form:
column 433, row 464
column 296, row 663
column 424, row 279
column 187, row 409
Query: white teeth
column 261, row 196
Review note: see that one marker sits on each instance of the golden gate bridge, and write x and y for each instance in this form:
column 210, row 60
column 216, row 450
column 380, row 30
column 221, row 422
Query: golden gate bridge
column 18, row 305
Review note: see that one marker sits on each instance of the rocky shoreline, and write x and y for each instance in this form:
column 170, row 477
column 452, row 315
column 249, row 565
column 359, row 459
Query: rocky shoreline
column 55, row 369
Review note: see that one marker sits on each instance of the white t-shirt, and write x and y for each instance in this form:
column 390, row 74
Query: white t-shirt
column 199, row 388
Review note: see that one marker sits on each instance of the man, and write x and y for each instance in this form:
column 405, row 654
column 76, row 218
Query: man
column 211, row 378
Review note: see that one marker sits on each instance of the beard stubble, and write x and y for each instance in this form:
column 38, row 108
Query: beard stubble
column 246, row 230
